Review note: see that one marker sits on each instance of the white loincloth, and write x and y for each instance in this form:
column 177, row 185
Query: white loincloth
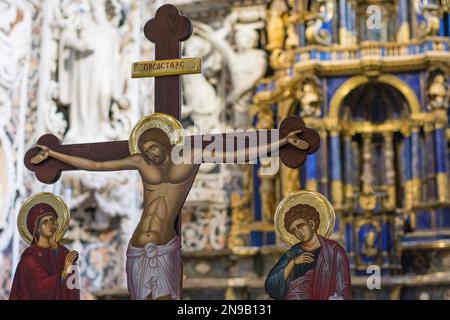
column 154, row 269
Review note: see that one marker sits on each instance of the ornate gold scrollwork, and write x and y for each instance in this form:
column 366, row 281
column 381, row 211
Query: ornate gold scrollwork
column 241, row 213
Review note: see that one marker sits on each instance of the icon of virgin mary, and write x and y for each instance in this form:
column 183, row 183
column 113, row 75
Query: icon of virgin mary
column 46, row 268
column 314, row 267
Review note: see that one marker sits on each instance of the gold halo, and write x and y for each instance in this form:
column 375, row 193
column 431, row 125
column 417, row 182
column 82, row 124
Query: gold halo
column 315, row 200
column 55, row 202
column 170, row 125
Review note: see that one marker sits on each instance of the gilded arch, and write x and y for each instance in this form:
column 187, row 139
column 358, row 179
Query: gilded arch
column 356, row 81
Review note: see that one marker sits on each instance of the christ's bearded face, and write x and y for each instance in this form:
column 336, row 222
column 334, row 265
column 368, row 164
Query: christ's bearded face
column 48, row 226
column 303, row 230
column 154, row 152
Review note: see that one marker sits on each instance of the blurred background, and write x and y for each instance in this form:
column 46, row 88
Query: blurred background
column 370, row 76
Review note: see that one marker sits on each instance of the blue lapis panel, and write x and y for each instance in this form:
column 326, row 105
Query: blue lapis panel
column 270, row 238
column 443, row 217
column 422, row 158
column 337, row 224
column 256, row 183
column 275, row 115
column 322, row 56
column 256, row 238
column 303, row 177
column 349, row 246
column 311, row 167
column 348, row 162
column 260, row 87
column 416, row 154
column 328, row 26
column 442, row 27
column 423, row 220
column 407, row 168
column 447, row 16
column 385, row 236
column 438, row 216
column 446, row 217
column 420, row 18
column 333, row 85
column 441, row 146
column 392, row 238
column 413, row 80
column 421, row 48
column 335, row 148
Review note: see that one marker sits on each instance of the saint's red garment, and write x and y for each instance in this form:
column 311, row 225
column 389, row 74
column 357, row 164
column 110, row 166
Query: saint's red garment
column 38, row 276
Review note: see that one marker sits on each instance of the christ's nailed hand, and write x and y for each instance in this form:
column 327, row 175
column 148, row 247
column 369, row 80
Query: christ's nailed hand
column 294, row 140
column 304, row 258
column 42, row 155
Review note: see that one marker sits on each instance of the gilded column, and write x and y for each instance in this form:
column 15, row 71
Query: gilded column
column 385, row 243
column 389, row 169
column 367, row 198
column 348, row 167
column 328, row 25
column 356, row 165
column 407, row 170
column 403, row 30
column 322, row 155
column 438, row 102
column 349, row 240
column 351, row 24
column 430, row 156
column 441, row 161
column 367, row 176
column 415, row 165
column 343, row 32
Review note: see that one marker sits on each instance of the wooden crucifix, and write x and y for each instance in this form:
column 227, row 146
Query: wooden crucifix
column 154, row 264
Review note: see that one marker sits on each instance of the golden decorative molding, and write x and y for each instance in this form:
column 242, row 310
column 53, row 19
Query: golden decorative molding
column 442, row 186
column 337, row 193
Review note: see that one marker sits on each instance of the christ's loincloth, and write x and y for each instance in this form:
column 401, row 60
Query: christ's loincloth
column 154, row 270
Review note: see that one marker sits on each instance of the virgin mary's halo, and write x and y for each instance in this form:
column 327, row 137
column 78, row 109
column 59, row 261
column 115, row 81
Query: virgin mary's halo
column 52, row 200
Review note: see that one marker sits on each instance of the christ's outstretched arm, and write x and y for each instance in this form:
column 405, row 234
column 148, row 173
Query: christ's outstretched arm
column 129, row 163
column 250, row 153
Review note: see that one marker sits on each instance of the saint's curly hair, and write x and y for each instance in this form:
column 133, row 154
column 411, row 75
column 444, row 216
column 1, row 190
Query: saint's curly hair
column 301, row 211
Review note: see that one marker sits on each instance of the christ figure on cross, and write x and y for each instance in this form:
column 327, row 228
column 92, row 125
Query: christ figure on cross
column 154, row 252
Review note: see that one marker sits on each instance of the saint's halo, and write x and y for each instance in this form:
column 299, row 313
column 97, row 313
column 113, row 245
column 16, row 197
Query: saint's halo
column 315, row 200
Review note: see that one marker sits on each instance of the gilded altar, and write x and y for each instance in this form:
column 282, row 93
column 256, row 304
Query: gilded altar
column 379, row 99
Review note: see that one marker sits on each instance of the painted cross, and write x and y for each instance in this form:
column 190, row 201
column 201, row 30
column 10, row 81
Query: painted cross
column 154, row 265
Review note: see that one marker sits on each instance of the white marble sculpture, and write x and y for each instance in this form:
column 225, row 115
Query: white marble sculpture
column 89, row 70
column 246, row 63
